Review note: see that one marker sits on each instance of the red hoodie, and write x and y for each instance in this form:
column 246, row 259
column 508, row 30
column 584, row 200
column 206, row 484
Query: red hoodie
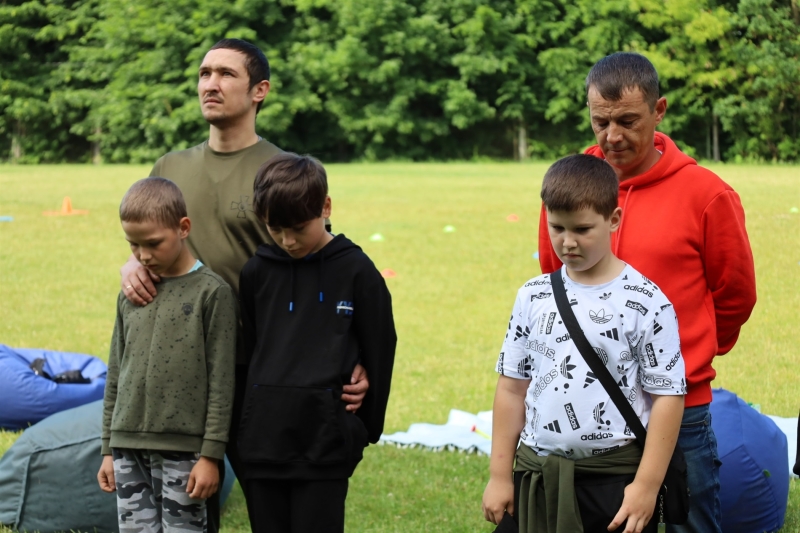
column 683, row 227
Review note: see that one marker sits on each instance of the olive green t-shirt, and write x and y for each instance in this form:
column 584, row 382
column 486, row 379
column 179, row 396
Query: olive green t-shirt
column 218, row 189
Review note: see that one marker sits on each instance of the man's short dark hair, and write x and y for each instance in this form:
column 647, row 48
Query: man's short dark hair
column 613, row 75
column 581, row 181
column 256, row 62
column 289, row 189
column 153, row 199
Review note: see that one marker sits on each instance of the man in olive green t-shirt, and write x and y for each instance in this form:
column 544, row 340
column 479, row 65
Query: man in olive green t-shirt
column 216, row 178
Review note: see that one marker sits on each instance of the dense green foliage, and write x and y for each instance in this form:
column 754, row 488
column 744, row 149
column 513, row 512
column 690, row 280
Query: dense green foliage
column 115, row 80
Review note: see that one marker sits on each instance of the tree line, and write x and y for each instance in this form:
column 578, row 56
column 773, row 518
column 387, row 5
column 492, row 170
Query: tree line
column 115, row 80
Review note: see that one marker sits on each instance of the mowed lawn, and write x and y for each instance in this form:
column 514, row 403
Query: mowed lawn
column 452, row 296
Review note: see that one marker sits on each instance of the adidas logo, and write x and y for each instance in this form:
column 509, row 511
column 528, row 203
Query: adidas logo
column 621, row 369
column 522, row 333
column 500, row 363
column 605, row 296
column 625, row 278
column 524, row 367
column 573, row 302
column 636, row 306
column 550, row 321
column 656, row 328
column 599, row 412
column 540, row 296
column 603, row 355
column 623, row 382
column 590, row 378
column 636, row 288
column 600, row 317
column 651, row 354
column 611, row 334
column 566, row 367
column 573, row 419
column 553, row 426
column 665, row 306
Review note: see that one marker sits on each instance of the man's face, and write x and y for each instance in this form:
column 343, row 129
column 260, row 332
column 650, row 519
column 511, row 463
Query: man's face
column 625, row 129
column 223, row 87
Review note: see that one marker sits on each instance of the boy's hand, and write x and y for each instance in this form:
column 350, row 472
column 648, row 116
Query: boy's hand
column 498, row 498
column 105, row 477
column 638, row 506
column 354, row 393
column 204, row 479
column 137, row 282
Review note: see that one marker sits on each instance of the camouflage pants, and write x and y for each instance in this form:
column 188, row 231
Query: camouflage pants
column 151, row 492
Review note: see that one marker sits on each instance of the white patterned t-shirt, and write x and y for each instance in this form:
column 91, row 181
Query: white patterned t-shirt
column 633, row 328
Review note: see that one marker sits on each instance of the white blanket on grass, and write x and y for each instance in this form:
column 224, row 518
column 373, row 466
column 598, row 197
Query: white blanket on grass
column 457, row 434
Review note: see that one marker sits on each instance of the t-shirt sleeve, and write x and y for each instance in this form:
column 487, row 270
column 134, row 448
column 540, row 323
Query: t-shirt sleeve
column 158, row 168
column 514, row 360
column 659, row 352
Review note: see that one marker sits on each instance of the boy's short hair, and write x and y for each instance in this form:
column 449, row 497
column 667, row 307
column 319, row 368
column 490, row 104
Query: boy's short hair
column 581, row 181
column 289, row 189
column 153, row 199
column 624, row 71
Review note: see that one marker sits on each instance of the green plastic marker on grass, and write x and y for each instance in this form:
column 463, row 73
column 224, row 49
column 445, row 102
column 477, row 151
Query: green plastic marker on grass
column 449, row 229
column 376, row 237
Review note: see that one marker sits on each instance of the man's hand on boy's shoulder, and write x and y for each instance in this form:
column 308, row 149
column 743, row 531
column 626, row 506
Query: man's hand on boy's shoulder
column 204, row 479
column 105, row 477
column 137, row 282
column 354, row 393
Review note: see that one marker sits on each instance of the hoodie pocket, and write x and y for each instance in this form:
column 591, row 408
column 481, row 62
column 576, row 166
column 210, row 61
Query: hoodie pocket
column 292, row 424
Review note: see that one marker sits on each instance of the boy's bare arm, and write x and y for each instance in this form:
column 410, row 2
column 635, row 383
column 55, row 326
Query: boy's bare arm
column 662, row 434
column 508, row 419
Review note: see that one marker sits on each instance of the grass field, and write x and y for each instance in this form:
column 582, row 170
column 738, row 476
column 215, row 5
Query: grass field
column 452, row 296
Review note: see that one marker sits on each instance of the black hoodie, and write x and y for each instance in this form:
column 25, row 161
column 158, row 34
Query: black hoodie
column 306, row 323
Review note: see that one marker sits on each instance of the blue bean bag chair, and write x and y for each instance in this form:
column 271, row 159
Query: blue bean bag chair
column 754, row 476
column 27, row 398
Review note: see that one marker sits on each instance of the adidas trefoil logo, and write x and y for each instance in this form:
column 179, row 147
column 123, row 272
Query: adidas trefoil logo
column 605, row 296
column 566, row 367
column 520, row 333
column 599, row 412
column 590, row 378
column 600, row 317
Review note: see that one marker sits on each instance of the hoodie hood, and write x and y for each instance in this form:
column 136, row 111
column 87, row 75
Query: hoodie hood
column 338, row 248
column 671, row 162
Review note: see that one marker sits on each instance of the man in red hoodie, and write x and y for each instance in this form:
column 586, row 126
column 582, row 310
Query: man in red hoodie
column 682, row 227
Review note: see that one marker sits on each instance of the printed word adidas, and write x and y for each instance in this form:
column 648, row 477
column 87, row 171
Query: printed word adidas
column 651, row 354
column 545, row 380
column 541, row 296
column 656, row 382
column 597, row 436
column 636, row 306
column 573, row 419
column 601, row 451
column 535, row 282
column 636, row 288
column 672, row 361
column 540, row 347
column 563, row 338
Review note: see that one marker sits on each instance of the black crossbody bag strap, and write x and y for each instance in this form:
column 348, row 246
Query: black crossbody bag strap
column 593, row 360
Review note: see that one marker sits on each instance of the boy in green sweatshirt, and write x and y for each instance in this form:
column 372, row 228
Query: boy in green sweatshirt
column 169, row 392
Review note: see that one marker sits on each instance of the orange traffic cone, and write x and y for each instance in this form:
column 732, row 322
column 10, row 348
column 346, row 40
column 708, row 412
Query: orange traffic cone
column 388, row 273
column 66, row 210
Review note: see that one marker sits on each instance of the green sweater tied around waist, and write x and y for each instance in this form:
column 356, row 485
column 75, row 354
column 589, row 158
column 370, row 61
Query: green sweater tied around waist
column 547, row 499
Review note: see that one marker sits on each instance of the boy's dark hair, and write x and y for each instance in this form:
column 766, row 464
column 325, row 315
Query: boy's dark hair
column 153, row 199
column 256, row 62
column 581, row 181
column 613, row 75
column 289, row 189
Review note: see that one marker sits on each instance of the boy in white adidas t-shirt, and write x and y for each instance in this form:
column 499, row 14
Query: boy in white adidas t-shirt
column 578, row 466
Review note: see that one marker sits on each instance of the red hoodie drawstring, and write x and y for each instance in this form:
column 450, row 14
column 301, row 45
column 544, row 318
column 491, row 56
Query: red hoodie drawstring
column 622, row 220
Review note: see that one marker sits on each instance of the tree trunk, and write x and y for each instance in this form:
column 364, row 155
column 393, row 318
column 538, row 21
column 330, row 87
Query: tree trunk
column 16, row 144
column 708, row 140
column 522, row 142
column 514, row 146
column 715, row 135
column 795, row 12
column 97, row 157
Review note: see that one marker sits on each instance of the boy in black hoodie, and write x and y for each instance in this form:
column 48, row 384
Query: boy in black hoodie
column 313, row 305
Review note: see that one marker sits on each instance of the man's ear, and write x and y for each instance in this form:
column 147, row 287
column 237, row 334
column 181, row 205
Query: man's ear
column 660, row 109
column 260, row 91
column 615, row 219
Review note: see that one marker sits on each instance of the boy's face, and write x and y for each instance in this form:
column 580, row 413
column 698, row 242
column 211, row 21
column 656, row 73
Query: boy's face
column 161, row 250
column 306, row 238
column 582, row 239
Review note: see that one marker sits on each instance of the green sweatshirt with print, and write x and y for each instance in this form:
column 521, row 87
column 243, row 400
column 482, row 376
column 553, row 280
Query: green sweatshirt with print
column 171, row 368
